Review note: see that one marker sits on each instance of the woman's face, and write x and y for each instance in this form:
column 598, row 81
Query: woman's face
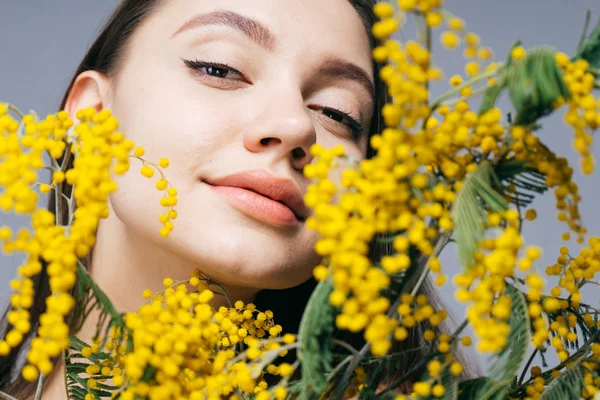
column 225, row 86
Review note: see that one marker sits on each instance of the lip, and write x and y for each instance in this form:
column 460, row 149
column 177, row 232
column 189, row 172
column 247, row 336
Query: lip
column 262, row 195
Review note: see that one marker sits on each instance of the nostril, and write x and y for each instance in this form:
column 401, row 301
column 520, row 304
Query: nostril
column 298, row 152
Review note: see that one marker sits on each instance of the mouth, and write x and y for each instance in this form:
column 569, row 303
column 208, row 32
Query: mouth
column 298, row 217
column 258, row 206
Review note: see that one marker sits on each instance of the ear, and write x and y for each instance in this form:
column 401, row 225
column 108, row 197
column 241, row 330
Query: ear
column 90, row 89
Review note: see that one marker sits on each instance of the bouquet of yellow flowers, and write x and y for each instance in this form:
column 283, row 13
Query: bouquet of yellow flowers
column 443, row 172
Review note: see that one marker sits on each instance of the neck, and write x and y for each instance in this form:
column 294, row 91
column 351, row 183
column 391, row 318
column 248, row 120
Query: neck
column 123, row 266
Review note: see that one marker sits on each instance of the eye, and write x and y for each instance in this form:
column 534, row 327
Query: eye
column 343, row 118
column 215, row 71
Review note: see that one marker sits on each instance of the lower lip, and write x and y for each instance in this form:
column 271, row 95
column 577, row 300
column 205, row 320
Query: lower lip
column 258, row 206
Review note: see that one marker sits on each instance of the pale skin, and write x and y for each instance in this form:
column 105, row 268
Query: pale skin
column 268, row 117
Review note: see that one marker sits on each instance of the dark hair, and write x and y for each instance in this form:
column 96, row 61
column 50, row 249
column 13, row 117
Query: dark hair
column 107, row 55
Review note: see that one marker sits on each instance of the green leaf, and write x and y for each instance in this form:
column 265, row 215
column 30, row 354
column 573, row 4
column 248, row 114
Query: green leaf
column 528, row 181
column 507, row 363
column 78, row 344
column 450, row 383
column 474, row 198
column 315, row 338
column 87, row 283
column 534, row 84
column 469, row 389
column 77, row 386
column 491, row 95
column 370, row 394
column 493, row 92
column 77, row 393
column 566, row 386
column 590, row 48
column 78, row 368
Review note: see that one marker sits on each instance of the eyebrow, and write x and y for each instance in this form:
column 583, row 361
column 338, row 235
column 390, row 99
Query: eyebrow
column 337, row 68
column 253, row 29
column 331, row 66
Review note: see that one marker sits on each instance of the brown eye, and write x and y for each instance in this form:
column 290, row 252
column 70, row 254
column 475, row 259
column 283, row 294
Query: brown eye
column 343, row 118
column 214, row 70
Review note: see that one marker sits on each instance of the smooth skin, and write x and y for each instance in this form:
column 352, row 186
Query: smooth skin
column 287, row 74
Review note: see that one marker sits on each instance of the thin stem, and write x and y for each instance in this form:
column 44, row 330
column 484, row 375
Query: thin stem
column 69, row 208
column 457, row 89
column 428, row 47
column 395, row 355
column 527, row 366
column 241, row 356
column 476, row 92
column 345, row 345
column 339, row 392
column 459, row 330
column 404, row 377
column 575, row 356
column 40, row 387
column 338, row 367
column 64, row 360
column 438, row 249
column 58, row 203
column 588, row 16
column 225, row 294
column 16, row 110
column 55, row 166
column 6, row 396
column 269, row 357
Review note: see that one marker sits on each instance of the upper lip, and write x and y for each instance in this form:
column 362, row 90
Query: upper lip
column 269, row 185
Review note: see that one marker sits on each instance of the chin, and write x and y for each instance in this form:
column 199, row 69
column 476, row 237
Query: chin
column 263, row 276
column 243, row 263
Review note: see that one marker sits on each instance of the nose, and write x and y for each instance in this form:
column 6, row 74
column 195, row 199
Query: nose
column 284, row 126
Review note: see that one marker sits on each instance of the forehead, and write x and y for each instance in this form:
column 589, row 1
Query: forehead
column 315, row 27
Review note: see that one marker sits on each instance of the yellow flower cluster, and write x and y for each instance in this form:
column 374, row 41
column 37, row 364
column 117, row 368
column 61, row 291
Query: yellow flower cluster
column 527, row 147
column 413, row 310
column 583, row 109
column 21, row 156
column 540, row 332
column 433, row 385
column 169, row 200
column 395, row 191
column 380, row 192
column 94, row 144
column 591, row 379
column 573, row 273
column 484, row 283
column 193, row 350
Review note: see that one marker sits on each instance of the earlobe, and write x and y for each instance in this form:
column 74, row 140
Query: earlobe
column 91, row 89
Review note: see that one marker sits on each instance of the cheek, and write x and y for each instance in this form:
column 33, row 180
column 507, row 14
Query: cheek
column 174, row 112
column 188, row 126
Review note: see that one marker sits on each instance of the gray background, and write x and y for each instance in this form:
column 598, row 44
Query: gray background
column 42, row 43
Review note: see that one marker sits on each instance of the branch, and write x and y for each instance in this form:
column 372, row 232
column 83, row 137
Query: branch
column 457, row 89
column 40, row 387
column 6, row 396
column 527, row 367
column 15, row 110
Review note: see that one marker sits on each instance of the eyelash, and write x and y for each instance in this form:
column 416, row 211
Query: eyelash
column 353, row 124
